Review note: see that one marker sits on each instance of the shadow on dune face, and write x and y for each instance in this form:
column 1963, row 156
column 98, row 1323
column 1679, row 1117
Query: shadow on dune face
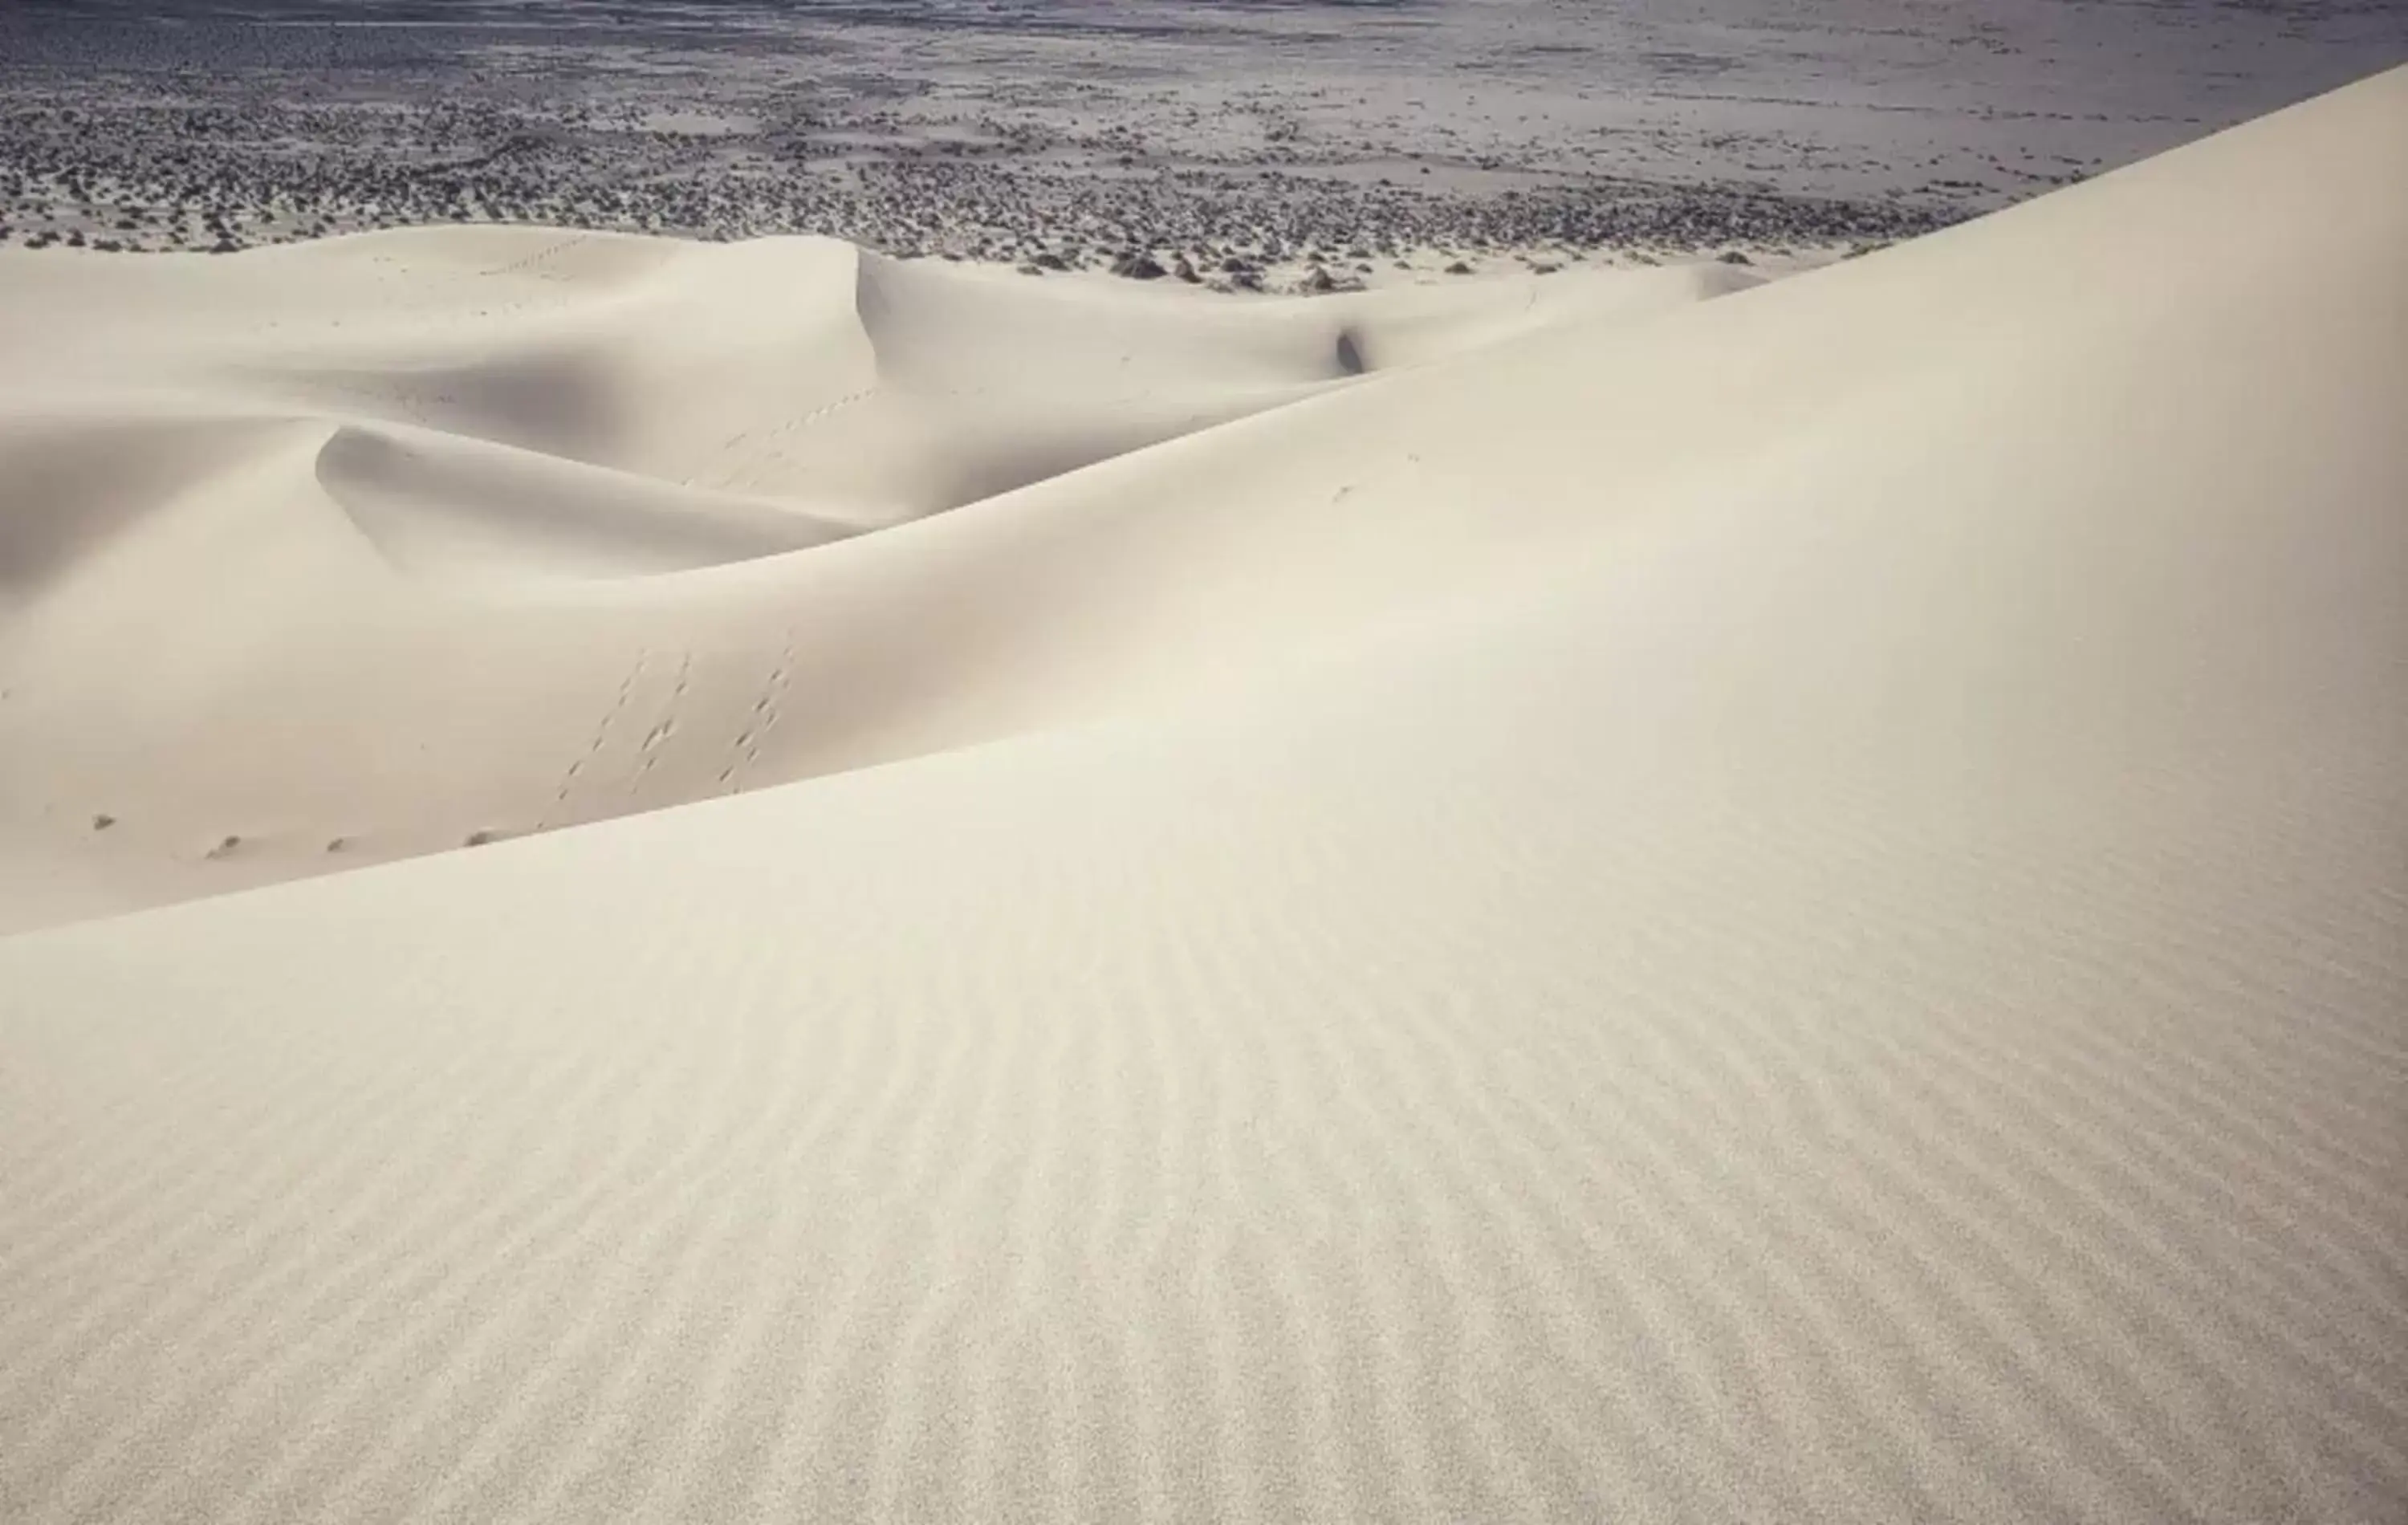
column 556, row 402
column 1349, row 354
column 68, row 486
column 448, row 507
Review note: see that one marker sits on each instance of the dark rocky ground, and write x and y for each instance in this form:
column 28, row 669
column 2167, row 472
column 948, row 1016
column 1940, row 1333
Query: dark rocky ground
column 1236, row 139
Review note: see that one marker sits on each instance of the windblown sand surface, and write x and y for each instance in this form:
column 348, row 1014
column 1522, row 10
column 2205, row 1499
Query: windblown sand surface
column 1550, row 902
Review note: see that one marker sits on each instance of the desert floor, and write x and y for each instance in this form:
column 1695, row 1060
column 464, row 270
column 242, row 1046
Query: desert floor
column 1278, row 146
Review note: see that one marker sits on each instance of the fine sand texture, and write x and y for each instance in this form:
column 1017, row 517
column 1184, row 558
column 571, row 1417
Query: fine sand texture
column 1785, row 908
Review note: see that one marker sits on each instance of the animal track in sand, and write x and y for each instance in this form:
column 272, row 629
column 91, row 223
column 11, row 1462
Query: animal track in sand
column 666, row 726
column 601, row 738
column 762, row 719
column 806, row 419
column 744, row 469
column 539, row 257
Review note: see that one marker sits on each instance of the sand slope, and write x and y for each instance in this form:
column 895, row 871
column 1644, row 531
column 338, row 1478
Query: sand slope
column 1789, row 909
column 375, row 536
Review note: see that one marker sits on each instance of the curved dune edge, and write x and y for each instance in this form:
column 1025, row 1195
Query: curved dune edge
column 1798, row 914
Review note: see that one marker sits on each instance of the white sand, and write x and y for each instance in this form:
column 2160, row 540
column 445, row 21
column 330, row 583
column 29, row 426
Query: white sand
column 1789, row 908
column 343, row 542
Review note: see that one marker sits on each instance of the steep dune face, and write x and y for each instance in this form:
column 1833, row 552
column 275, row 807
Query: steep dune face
column 1792, row 909
column 445, row 507
column 398, row 540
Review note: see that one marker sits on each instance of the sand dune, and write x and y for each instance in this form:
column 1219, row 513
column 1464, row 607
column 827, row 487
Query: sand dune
column 1789, row 908
column 406, row 501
